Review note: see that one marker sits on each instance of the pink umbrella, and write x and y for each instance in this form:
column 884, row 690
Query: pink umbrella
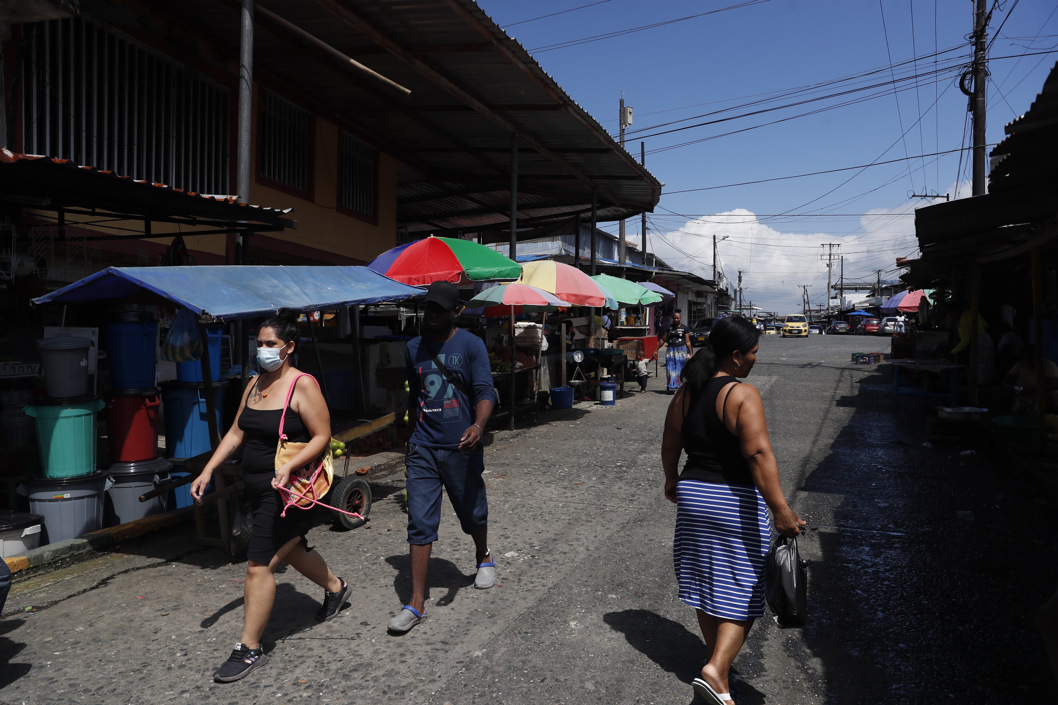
column 564, row 281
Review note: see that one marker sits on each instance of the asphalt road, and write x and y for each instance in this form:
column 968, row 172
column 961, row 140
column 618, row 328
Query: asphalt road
column 926, row 568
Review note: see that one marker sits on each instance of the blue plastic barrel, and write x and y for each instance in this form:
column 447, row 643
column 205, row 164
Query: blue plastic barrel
column 187, row 420
column 132, row 351
column 607, row 393
column 192, row 371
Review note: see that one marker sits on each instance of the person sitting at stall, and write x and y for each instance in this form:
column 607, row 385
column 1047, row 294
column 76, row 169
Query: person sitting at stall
column 1019, row 387
column 275, row 538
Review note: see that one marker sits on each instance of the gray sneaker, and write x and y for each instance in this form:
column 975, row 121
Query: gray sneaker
column 486, row 576
column 407, row 618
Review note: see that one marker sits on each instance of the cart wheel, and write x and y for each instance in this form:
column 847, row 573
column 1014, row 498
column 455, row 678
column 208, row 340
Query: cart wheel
column 352, row 494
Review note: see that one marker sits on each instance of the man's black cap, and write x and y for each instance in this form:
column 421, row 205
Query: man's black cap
column 444, row 294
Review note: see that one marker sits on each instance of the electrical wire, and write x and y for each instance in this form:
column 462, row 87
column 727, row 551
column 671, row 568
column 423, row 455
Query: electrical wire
column 555, row 14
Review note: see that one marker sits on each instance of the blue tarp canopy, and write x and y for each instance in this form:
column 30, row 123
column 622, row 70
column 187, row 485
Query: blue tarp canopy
column 230, row 292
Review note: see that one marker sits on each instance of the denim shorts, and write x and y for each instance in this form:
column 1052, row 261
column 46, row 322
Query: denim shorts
column 430, row 469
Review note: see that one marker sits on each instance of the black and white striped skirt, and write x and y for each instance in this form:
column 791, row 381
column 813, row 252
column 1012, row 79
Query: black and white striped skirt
column 723, row 533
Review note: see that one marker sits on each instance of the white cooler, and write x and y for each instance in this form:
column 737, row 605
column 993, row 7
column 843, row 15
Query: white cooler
column 19, row 532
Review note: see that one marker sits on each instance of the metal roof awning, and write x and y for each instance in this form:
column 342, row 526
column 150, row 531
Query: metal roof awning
column 474, row 96
column 1019, row 213
column 231, row 292
column 58, row 184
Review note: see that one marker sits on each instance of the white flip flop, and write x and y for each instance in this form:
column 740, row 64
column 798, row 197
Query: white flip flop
column 706, row 691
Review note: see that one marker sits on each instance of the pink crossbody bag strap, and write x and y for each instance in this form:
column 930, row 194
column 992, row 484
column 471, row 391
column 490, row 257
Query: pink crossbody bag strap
column 286, row 405
column 291, row 497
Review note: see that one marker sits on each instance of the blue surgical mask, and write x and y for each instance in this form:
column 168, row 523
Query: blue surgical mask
column 268, row 359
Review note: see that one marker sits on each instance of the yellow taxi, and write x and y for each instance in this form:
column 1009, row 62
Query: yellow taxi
column 795, row 326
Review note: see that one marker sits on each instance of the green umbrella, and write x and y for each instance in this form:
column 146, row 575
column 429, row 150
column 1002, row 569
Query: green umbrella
column 626, row 292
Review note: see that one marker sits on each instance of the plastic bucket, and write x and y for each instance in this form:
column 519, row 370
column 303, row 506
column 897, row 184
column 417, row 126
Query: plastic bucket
column 66, row 437
column 64, row 363
column 192, row 371
column 562, row 397
column 132, row 425
column 19, row 532
column 132, row 350
column 70, row 507
column 607, row 393
column 187, row 420
column 123, row 503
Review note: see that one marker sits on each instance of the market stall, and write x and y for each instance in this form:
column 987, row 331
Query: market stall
column 221, row 294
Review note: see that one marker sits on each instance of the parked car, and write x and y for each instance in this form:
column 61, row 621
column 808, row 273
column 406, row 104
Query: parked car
column 870, row 326
column 795, row 326
column 772, row 328
column 838, row 328
column 816, row 329
column 700, row 332
column 887, row 326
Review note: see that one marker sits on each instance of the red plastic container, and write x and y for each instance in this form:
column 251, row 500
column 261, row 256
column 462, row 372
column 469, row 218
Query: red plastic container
column 132, row 423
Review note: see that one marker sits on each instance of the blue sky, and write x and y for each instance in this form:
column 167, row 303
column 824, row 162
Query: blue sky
column 789, row 87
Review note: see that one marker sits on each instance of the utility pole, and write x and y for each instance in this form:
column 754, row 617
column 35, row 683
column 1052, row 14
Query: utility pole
column 740, row 291
column 805, row 305
column 624, row 119
column 841, row 286
column 829, row 258
column 980, row 73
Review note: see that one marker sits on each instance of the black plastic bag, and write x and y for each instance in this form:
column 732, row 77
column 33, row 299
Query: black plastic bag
column 241, row 528
column 786, row 583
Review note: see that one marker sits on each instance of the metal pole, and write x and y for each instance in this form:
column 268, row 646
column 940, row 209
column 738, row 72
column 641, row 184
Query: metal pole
column 643, row 215
column 980, row 74
column 621, row 225
column 242, row 174
column 513, row 253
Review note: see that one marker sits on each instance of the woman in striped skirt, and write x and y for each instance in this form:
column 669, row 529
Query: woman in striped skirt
column 722, row 496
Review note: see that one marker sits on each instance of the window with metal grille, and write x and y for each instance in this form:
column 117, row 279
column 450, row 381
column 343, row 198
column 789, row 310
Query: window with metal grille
column 286, row 143
column 97, row 98
column 357, row 180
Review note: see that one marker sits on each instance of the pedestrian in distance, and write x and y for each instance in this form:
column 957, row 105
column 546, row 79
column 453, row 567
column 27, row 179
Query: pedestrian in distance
column 279, row 392
column 450, row 400
column 678, row 340
column 728, row 484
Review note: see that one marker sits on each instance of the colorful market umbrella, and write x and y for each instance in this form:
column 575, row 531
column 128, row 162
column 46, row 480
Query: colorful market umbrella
column 514, row 298
column 658, row 288
column 626, row 292
column 444, row 259
column 566, row 282
column 906, row 301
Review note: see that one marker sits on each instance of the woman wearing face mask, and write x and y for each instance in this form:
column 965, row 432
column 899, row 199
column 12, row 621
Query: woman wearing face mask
column 275, row 539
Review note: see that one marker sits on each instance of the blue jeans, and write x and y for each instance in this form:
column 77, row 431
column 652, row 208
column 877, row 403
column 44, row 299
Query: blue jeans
column 459, row 473
column 5, row 583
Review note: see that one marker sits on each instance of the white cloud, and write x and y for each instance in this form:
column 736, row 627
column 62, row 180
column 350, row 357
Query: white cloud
column 776, row 264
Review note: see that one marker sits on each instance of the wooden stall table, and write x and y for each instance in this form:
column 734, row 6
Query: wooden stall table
column 946, row 372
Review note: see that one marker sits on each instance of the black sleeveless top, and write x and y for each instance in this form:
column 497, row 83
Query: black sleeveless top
column 677, row 335
column 713, row 453
column 261, row 429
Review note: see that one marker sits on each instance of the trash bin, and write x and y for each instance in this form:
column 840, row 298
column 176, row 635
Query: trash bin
column 19, row 532
column 132, row 350
column 66, row 436
column 70, row 507
column 64, row 364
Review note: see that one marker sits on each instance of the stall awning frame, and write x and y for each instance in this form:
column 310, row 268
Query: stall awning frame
column 233, row 292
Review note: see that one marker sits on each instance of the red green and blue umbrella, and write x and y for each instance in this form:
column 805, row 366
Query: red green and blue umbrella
column 444, row 259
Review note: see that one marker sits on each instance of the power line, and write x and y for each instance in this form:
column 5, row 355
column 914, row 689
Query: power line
column 816, row 173
column 640, row 28
column 555, row 14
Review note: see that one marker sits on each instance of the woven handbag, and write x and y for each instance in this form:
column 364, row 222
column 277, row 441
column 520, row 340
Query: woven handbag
column 310, row 483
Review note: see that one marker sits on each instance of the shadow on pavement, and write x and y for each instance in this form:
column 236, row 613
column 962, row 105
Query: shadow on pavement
column 673, row 647
column 442, row 574
column 931, row 573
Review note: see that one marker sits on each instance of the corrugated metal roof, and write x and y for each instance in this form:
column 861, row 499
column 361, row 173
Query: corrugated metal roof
column 1020, row 210
column 50, row 183
column 472, row 88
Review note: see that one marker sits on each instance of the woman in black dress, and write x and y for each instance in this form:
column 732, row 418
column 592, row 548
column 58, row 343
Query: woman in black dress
column 275, row 539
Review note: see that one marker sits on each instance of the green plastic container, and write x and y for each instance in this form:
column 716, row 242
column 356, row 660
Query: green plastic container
column 66, row 437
